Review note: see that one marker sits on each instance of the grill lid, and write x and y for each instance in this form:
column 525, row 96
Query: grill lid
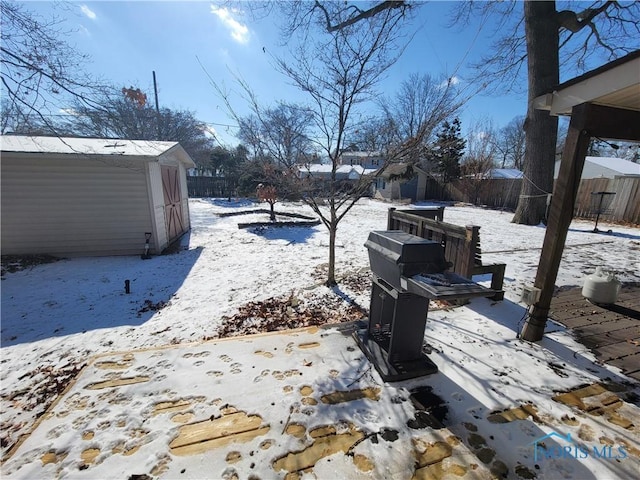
column 402, row 247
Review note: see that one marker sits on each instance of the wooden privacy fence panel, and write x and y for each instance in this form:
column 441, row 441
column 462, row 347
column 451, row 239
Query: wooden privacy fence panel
column 502, row 193
column 209, row 187
column 505, row 193
column 625, row 206
column 435, row 191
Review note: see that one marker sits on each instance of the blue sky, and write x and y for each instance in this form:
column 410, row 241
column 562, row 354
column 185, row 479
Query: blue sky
column 128, row 40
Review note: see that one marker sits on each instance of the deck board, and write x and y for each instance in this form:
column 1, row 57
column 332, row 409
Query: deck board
column 612, row 332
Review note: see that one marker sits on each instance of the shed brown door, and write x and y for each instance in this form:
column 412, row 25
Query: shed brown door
column 172, row 202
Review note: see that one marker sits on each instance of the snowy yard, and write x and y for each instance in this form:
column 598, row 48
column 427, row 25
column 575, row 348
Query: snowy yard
column 56, row 317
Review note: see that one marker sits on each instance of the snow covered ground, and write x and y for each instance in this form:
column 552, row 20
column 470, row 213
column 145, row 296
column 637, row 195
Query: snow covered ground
column 57, row 316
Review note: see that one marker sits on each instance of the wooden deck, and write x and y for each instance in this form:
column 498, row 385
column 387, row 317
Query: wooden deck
column 611, row 332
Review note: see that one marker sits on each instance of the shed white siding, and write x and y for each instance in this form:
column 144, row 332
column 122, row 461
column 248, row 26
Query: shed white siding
column 52, row 207
column 75, row 196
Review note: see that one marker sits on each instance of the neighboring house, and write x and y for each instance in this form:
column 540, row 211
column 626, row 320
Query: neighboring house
column 605, row 167
column 343, row 172
column 397, row 181
column 345, row 175
column 79, row 196
column 368, row 160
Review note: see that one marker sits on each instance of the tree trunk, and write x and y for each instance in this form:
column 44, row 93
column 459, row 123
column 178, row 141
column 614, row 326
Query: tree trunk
column 272, row 213
column 333, row 227
column 541, row 129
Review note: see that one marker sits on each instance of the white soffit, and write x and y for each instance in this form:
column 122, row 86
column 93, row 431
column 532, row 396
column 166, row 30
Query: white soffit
column 618, row 86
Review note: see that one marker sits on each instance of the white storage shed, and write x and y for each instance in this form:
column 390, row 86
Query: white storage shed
column 80, row 196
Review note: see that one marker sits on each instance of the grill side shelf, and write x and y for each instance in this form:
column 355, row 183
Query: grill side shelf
column 445, row 286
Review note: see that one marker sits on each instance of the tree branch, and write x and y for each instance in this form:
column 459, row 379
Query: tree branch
column 361, row 15
column 574, row 22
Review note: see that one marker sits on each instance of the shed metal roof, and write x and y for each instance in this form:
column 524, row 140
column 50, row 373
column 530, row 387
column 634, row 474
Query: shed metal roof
column 91, row 146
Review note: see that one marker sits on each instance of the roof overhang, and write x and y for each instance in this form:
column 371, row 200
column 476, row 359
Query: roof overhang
column 616, row 84
column 181, row 154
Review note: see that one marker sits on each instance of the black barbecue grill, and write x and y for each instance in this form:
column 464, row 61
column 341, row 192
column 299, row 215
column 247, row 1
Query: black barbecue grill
column 408, row 271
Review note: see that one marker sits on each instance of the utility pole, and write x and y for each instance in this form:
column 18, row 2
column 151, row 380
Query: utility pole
column 155, row 91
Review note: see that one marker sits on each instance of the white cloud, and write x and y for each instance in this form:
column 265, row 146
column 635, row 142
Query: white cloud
column 88, row 12
column 210, row 131
column 239, row 31
column 450, row 82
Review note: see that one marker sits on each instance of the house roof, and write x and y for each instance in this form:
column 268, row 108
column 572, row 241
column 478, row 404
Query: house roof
column 616, row 84
column 611, row 165
column 397, row 170
column 624, row 167
column 505, row 173
column 361, row 154
column 92, row 146
column 342, row 169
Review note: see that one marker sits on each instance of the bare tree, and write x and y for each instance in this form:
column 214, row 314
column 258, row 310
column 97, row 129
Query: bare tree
column 421, row 105
column 40, row 71
column 479, row 158
column 127, row 115
column 338, row 69
column 338, row 53
column 481, row 145
column 540, row 40
column 371, row 134
column 509, row 144
column 305, row 16
column 280, row 133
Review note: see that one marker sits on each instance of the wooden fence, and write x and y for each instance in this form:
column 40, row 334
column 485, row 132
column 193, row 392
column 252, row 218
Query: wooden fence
column 209, row 187
column 495, row 193
column 624, row 206
column 505, row 193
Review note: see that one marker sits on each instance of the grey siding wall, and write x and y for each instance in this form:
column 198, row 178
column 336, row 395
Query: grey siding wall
column 74, row 206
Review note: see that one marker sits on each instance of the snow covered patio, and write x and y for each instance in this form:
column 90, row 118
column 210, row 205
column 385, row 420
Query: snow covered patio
column 166, row 398
column 308, row 403
column 267, row 405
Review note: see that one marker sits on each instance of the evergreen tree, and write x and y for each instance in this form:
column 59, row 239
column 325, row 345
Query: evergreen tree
column 448, row 150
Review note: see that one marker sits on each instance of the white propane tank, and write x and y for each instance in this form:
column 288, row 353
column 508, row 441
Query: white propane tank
column 601, row 287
